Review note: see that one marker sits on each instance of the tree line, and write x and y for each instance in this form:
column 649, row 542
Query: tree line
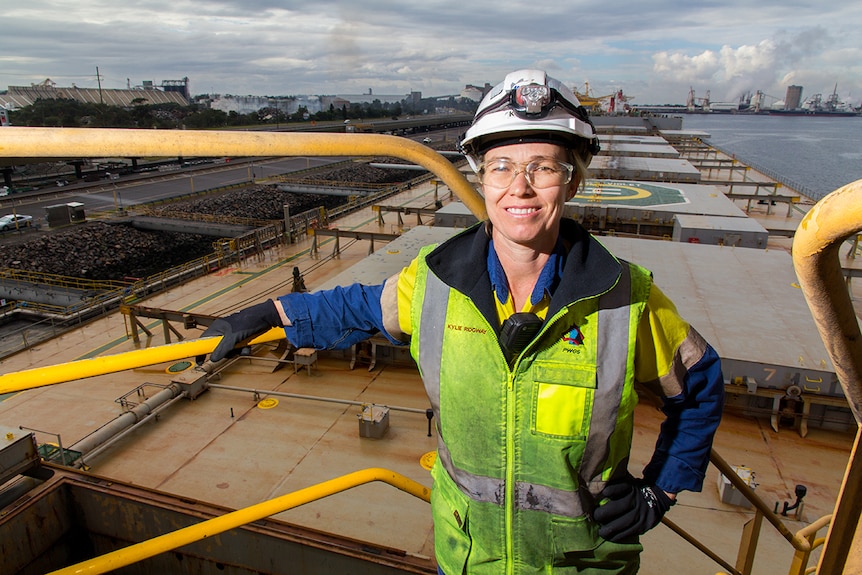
column 67, row 113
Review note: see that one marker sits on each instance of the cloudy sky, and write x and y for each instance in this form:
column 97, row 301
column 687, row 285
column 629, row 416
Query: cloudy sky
column 654, row 50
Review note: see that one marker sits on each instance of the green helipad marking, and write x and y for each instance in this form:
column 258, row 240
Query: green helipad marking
column 631, row 193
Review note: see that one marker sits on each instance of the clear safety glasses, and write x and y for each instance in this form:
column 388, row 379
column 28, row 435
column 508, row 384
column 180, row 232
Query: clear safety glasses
column 540, row 174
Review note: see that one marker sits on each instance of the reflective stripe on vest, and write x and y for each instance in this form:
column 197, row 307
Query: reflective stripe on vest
column 610, row 377
column 614, row 326
column 433, row 324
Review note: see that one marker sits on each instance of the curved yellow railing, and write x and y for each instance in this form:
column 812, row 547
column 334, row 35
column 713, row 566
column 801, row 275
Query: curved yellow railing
column 211, row 527
column 16, row 142
column 816, row 258
column 809, row 533
column 816, row 248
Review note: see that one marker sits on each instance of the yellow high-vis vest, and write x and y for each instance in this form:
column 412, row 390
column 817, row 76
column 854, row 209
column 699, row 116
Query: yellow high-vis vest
column 525, row 446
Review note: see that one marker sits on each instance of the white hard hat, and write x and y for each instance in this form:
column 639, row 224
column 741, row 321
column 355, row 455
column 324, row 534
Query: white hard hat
column 529, row 106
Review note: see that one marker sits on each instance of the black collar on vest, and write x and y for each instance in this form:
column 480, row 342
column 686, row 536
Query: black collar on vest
column 461, row 262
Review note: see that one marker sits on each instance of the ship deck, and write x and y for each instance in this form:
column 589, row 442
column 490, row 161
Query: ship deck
column 229, row 448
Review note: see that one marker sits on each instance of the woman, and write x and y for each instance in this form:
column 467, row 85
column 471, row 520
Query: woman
column 530, row 337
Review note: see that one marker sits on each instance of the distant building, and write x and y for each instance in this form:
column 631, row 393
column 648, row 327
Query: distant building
column 178, row 86
column 475, row 93
column 336, row 102
column 171, row 91
column 291, row 104
column 415, row 100
column 793, row 98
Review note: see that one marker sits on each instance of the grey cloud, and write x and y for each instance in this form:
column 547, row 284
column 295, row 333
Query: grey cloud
column 288, row 47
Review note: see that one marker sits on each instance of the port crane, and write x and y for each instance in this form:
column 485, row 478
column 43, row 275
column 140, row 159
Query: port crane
column 759, row 101
column 694, row 103
column 587, row 100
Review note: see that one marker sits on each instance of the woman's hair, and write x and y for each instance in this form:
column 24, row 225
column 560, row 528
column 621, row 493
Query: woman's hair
column 576, row 158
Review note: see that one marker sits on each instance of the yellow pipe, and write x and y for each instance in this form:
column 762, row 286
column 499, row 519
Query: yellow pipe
column 813, row 528
column 211, row 527
column 816, row 248
column 799, row 564
column 19, row 142
column 74, row 370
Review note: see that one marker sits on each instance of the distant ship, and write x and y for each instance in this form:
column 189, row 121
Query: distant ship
column 807, row 112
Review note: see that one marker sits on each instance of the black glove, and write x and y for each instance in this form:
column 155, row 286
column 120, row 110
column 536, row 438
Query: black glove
column 242, row 326
column 633, row 508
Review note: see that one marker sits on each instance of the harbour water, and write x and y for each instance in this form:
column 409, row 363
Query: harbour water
column 814, row 155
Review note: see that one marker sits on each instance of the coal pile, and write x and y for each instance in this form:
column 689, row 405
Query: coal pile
column 267, row 202
column 117, row 251
column 365, row 174
column 256, row 202
column 101, row 251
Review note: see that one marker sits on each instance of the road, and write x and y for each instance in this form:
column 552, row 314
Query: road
column 125, row 191
column 129, row 190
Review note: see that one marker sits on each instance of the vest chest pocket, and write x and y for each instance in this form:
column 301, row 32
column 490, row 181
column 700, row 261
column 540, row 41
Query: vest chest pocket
column 562, row 400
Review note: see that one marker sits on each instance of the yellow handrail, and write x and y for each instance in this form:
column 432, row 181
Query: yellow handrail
column 816, row 248
column 816, row 259
column 211, row 527
column 74, row 370
column 18, row 142
column 799, row 566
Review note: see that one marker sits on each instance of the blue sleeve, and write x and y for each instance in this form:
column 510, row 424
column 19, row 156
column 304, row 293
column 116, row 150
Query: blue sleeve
column 336, row 318
column 684, row 444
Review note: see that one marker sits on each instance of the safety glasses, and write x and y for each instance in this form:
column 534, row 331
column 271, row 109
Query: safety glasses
column 540, row 173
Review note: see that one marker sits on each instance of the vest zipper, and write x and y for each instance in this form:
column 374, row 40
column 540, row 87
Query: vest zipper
column 509, row 501
column 510, row 472
column 510, row 445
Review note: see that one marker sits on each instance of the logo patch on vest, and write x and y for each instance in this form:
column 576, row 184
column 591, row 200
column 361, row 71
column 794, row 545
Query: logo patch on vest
column 574, row 337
